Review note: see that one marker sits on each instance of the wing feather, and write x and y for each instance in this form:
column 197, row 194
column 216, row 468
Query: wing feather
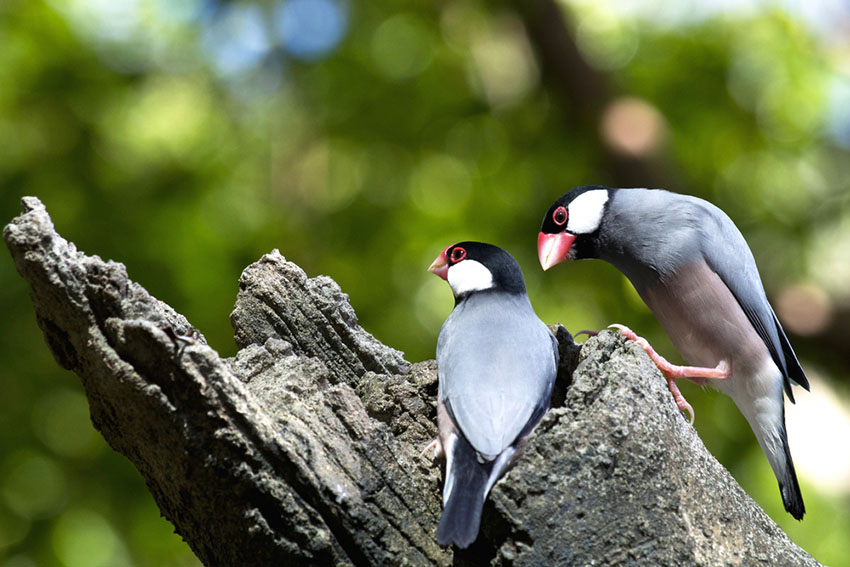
column 497, row 363
column 727, row 253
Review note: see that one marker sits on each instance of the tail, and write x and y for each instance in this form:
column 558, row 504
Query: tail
column 769, row 428
column 467, row 484
column 792, row 498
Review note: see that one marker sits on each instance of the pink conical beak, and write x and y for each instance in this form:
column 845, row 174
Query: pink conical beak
column 553, row 248
column 440, row 266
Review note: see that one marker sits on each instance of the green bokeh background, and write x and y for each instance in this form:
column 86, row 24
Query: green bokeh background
column 186, row 139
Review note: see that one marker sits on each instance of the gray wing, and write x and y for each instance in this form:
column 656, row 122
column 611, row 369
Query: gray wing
column 497, row 363
column 727, row 253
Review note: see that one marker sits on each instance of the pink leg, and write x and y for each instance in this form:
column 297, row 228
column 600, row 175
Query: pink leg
column 672, row 371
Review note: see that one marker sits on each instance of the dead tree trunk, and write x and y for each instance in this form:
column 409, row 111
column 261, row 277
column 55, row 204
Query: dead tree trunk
column 305, row 447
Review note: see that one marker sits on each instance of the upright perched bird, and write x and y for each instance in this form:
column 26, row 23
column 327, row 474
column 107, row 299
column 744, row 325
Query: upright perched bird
column 497, row 363
column 692, row 267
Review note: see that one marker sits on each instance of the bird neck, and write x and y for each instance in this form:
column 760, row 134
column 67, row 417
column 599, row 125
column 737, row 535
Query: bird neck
column 493, row 295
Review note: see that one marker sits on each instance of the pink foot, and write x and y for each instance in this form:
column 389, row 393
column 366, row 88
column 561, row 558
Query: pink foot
column 672, row 371
column 680, row 400
column 436, row 446
column 587, row 332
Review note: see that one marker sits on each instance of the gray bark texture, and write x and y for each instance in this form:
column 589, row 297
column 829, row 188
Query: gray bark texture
column 306, row 447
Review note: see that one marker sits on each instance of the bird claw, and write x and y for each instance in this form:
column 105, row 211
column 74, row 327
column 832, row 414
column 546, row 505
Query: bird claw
column 680, row 400
column 436, row 445
column 587, row 332
column 672, row 372
column 631, row 335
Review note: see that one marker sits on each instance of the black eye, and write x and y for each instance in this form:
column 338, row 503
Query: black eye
column 560, row 216
column 458, row 254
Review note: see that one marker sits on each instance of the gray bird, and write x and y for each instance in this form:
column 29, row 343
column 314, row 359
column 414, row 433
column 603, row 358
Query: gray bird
column 693, row 269
column 497, row 363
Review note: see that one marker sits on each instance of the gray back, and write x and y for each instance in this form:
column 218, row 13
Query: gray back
column 497, row 363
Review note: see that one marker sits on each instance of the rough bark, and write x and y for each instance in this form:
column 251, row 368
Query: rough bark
column 305, row 448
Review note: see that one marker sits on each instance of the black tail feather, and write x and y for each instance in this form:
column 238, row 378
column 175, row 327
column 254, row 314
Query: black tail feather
column 792, row 498
column 461, row 517
column 792, row 371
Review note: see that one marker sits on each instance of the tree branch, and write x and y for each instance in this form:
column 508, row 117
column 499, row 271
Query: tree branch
column 305, row 448
column 583, row 92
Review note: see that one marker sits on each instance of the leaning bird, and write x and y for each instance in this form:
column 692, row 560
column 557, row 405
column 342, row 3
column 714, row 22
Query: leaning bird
column 693, row 269
column 497, row 363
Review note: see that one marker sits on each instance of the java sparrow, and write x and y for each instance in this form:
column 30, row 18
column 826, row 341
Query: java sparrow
column 693, row 269
column 496, row 363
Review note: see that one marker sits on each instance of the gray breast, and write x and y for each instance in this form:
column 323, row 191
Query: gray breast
column 704, row 320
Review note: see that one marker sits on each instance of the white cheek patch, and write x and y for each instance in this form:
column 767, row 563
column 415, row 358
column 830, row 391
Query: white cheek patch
column 585, row 212
column 469, row 275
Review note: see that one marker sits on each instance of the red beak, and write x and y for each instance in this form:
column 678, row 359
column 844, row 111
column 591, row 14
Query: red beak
column 553, row 248
column 440, row 266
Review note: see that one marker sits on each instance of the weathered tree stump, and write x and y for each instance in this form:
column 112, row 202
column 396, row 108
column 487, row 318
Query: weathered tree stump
column 305, row 448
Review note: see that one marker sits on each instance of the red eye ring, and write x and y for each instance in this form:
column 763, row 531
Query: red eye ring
column 458, row 254
column 560, row 216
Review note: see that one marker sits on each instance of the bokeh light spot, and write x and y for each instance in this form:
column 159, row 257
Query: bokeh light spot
column 84, row 538
column 804, row 308
column 311, row 29
column 817, row 456
column 633, row 127
column 33, row 485
column 61, row 421
column 166, row 118
column 107, row 19
column 327, row 177
column 606, row 40
column 838, row 118
column 828, row 263
column 178, row 12
column 440, row 185
column 401, row 47
column 505, row 63
column 237, row 38
column 433, row 303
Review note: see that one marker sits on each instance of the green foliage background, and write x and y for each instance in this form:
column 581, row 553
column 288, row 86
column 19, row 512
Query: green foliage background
column 430, row 123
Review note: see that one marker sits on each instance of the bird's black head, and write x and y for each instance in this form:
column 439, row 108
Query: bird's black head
column 476, row 266
column 569, row 225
